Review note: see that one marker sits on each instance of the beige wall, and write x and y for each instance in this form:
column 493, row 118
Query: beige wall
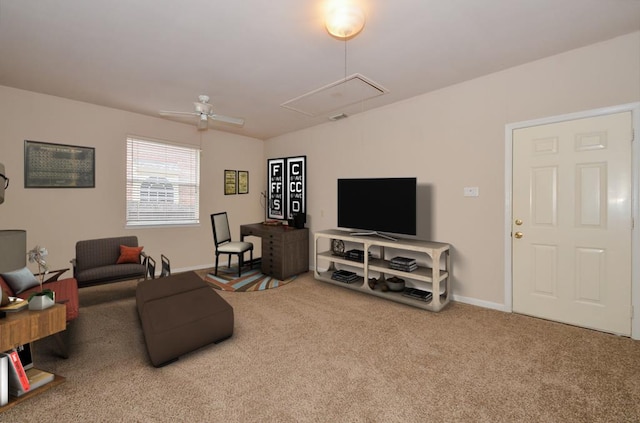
column 448, row 139
column 57, row 218
column 455, row 137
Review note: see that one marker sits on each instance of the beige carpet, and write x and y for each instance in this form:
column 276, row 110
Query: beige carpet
column 313, row 352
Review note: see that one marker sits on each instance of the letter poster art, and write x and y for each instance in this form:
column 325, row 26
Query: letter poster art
column 286, row 187
column 295, row 186
column 276, row 181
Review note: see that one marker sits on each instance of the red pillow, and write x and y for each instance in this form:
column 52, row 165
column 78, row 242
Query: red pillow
column 129, row 254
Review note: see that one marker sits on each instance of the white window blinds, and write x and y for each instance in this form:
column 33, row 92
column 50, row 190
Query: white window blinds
column 163, row 184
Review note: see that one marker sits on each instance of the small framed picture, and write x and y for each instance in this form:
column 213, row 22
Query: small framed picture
column 230, row 182
column 243, row 182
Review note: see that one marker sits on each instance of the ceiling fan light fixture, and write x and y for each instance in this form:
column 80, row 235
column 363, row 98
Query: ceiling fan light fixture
column 344, row 20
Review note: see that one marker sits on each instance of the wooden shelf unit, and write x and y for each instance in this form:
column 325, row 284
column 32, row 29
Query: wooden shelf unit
column 25, row 326
column 13, row 401
column 434, row 265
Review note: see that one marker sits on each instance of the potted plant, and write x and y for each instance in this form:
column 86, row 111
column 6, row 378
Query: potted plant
column 46, row 297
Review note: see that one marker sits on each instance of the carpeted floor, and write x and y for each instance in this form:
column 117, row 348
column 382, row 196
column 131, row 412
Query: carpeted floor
column 313, row 352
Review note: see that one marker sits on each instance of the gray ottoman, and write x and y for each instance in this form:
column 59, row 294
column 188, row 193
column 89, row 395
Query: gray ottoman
column 181, row 313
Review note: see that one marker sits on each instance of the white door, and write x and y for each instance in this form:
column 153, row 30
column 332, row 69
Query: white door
column 571, row 247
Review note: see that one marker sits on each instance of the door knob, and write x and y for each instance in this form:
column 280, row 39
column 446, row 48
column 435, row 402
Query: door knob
column 518, row 235
column 518, row 222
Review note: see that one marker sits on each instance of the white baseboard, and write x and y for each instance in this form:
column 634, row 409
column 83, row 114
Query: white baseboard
column 480, row 303
column 457, row 298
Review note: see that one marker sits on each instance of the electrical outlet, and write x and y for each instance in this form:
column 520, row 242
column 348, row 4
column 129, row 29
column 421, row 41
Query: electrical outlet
column 471, row 191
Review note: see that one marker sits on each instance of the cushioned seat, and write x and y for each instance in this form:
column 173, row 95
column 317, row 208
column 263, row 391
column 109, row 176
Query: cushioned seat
column 97, row 261
column 181, row 313
column 224, row 245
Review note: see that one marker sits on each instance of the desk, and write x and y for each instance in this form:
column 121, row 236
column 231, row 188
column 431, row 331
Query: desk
column 285, row 250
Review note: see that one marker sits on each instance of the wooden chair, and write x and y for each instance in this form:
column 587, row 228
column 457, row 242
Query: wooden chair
column 151, row 267
column 224, row 245
column 166, row 266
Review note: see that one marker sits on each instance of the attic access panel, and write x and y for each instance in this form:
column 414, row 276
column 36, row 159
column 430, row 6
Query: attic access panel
column 345, row 92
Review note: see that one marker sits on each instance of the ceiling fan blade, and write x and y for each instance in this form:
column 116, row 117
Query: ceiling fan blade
column 227, row 119
column 169, row 113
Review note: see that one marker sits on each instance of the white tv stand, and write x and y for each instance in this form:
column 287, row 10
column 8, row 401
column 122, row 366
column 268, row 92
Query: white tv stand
column 432, row 275
column 380, row 234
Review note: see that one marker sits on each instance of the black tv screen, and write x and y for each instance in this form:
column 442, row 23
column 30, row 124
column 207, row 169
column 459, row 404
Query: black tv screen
column 378, row 204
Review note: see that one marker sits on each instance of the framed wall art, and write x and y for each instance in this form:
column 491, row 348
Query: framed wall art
column 286, row 188
column 243, row 182
column 48, row 165
column 230, row 182
column 275, row 189
column 296, row 186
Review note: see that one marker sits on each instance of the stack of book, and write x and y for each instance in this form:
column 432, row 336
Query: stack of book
column 355, row 255
column 344, row 276
column 403, row 263
column 15, row 304
column 418, row 294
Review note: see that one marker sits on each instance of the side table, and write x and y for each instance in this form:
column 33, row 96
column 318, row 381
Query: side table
column 26, row 326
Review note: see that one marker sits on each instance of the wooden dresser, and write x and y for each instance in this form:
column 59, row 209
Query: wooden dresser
column 285, row 250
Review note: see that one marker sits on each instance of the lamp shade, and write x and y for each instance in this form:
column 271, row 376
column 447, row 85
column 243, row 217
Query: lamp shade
column 344, row 21
column 13, row 250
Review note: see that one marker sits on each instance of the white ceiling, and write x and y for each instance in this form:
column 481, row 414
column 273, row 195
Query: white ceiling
column 250, row 56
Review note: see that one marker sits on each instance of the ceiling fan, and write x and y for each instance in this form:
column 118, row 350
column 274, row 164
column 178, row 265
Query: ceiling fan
column 204, row 112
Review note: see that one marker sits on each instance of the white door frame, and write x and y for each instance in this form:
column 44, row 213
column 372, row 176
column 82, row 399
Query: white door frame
column 635, row 203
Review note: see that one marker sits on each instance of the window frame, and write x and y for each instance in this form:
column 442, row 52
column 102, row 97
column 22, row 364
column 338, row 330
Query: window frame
column 155, row 165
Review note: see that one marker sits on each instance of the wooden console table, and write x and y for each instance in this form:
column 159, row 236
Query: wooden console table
column 23, row 327
column 285, row 250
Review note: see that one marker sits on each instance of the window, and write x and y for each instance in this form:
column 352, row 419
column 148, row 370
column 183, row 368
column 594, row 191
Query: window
column 163, row 183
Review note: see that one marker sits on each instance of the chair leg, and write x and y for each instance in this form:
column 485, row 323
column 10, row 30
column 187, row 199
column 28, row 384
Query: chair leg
column 229, row 263
column 240, row 257
column 217, row 256
column 251, row 258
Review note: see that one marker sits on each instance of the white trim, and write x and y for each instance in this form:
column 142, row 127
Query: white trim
column 508, row 177
column 635, row 233
column 479, row 303
column 634, row 108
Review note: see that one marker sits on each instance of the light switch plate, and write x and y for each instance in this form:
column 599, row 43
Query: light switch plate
column 471, row 191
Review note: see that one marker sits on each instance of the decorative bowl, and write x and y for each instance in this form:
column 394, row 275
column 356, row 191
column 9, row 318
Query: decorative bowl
column 395, row 284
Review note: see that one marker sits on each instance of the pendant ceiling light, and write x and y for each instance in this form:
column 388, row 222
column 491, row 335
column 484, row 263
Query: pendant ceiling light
column 344, row 20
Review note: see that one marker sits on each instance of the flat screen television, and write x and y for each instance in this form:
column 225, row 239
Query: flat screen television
column 377, row 205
